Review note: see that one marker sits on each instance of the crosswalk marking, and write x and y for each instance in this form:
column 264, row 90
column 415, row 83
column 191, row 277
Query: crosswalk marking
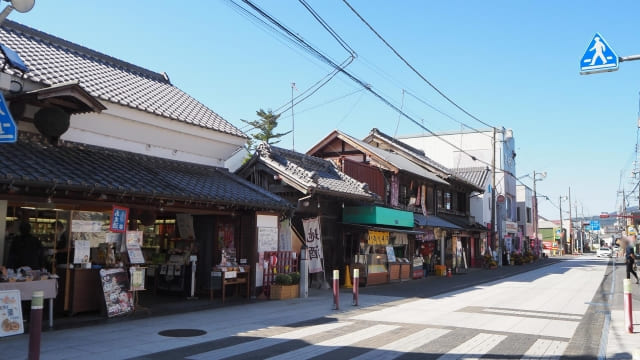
column 266, row 342
column 324, row 347
column 406, row 344
column 545, row 349
column 474, row 348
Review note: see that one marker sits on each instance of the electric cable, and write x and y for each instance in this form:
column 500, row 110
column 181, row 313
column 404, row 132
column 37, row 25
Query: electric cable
column 330, row 62
column 413, row 68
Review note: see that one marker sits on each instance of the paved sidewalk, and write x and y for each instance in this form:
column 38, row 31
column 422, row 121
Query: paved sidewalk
column 620, row 343
column 139, row 337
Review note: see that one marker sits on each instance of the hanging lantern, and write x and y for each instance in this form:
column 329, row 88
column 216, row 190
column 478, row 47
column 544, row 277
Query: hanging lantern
column 51, row 122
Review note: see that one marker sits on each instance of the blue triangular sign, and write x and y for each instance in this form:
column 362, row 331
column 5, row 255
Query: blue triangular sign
column 599, row 57
column 8, row 128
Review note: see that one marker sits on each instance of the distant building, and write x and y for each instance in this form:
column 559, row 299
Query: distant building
column 477, row 147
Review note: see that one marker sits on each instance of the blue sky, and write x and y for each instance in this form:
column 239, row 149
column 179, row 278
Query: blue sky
column 510, row 63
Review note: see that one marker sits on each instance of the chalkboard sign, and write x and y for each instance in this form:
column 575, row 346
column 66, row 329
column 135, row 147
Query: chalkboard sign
column 115, row 285
column 391, row 255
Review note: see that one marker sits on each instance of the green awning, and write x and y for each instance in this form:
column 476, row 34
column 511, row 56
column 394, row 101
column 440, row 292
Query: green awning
column 377, row 215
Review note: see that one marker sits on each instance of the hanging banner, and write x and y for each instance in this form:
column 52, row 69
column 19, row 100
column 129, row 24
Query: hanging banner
column 423, row 200
column 394, row 190
column 284, row 240
column 185, row 226
column 314, row 244
column 119, row 217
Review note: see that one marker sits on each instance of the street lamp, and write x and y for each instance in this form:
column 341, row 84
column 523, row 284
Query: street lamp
column 22, row 6
column 535, row 199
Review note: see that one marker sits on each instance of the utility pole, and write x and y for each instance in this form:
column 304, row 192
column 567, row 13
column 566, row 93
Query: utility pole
column 561, row 240
column 493, row 194
column 571, row 243
column 493, row 191
column 293, row 122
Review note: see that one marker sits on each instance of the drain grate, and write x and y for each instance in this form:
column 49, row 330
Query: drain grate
column 182, row 332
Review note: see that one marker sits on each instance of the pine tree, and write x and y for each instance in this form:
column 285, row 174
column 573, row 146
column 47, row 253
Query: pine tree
column 265, row 127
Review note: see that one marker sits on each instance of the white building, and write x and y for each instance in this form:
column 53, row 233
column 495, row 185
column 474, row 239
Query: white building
column 525, row 213
column 476, row 152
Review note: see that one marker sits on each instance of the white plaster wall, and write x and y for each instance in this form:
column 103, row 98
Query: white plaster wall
column 140, row 132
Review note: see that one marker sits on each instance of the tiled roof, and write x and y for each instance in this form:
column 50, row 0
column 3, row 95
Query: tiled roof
column 79, row 167
column 312, row 173
column 410, row 149
column 476, row 175
column 52, row 60
column 419, row 157
column 394, row 159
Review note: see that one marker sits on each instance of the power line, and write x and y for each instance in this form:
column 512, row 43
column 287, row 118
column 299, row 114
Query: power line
column 301, row 42
column 413, row 68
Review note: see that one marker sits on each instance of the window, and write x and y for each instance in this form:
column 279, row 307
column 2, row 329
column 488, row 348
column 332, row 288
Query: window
column 430, row 199
column 447, row 200
column 528, row 214
column 440, row 199
column 462, row 202
column 518, row 214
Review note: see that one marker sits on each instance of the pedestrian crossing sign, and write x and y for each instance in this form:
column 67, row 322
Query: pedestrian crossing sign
column 599, row 57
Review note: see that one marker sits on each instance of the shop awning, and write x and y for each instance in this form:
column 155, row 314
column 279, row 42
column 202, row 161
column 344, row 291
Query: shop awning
column 382, row 228
column 434, row 221
column 465, row 224
column 377, row 215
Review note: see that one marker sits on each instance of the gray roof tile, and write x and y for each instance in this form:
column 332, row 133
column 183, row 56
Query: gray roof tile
column 478, row 176
column 52, row 60
column 81, row 167
column 312, row 172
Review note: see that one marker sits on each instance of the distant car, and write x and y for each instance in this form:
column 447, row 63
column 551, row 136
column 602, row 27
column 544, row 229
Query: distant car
column 604, row 252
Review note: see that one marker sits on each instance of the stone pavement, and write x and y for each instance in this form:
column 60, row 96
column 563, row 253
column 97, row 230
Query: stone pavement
column 138, row 337
column 620, row 343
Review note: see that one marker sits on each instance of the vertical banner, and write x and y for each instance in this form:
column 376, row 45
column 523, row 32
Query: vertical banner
column 394, row 190
column 314, row 244
column 119, row 217
column 284, row 240
column 423, row 200
column 185, row 226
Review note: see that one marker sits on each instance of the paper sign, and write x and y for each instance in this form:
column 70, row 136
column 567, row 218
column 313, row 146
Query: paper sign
column 81, row 252
column 10, row 313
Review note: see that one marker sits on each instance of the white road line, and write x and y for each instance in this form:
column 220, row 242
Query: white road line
column 545, row 349
column 534, row 313
column 266, row 342
column 474, row 348
column 324, row 347
column 408, row 343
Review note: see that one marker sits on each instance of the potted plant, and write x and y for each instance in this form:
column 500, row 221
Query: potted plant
column 284, row 288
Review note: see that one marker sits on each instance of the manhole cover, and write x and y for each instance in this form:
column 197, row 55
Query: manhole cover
column 182, row 332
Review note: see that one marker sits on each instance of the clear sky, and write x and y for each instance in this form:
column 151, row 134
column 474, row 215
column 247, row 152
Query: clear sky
column 510, row 63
